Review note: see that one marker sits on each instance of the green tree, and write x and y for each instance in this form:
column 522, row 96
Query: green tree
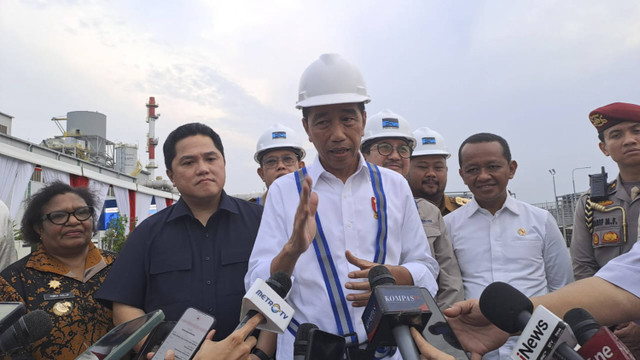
column 115, row 235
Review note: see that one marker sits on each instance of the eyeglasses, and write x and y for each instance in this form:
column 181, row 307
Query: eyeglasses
column 61, row 217
column 273, row 161
column 385, row 149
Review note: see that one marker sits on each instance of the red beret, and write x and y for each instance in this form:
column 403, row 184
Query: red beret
column 607, row 116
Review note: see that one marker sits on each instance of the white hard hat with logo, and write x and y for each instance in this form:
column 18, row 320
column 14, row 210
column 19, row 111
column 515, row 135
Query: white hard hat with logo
column 387, row 124
column 331, row 80
column 429, row 143
column 276, row 137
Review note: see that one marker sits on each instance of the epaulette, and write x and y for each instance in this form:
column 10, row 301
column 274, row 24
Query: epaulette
column 462, row 201
column 612, row 187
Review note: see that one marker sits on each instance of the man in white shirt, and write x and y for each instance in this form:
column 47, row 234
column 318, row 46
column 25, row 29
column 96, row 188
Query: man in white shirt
column 342, row 202
column 498, row 238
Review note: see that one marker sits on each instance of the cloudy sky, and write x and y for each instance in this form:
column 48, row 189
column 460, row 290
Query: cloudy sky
column 529, row 71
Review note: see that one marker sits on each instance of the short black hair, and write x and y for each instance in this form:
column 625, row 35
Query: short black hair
column 33, row 213
column 184, row 131
column 305, row 110
column 486, row 137
column 601, row 136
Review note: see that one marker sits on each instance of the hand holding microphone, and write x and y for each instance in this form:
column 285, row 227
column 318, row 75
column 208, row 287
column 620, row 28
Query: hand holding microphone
column 267, row 298
column 391, row 310
column 597, row 342
column 544, row 335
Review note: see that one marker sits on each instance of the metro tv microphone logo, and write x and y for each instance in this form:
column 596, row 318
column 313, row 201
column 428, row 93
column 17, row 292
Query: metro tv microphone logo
column 533, row 341
column 275, row 307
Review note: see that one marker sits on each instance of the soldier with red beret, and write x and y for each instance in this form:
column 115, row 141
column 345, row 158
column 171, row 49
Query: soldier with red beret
column 606, row 221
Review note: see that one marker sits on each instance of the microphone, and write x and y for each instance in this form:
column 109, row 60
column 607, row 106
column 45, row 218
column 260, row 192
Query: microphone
column 301, row 343
column 30, row 328
column 312, row 343
column 391, row 310
column 267, row 298
column 596, row 342
column 544, row 335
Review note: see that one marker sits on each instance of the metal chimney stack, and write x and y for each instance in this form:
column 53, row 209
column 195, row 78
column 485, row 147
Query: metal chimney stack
column 152, row 141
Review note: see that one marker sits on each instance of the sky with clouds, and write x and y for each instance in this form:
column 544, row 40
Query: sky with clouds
column 529, row 71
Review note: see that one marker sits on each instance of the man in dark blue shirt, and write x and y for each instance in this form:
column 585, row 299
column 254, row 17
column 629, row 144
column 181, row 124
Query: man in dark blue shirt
column 194, row 253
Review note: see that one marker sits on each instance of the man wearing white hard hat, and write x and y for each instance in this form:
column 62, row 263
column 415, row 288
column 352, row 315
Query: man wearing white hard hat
column 428, row 171
column 388, row 142
column 279, row 151
column 355, row 214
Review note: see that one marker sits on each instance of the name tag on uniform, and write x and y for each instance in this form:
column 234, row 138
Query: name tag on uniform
column 54, row 297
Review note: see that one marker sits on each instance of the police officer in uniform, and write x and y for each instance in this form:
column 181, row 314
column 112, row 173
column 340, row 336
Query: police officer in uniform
column 279, row 151
column 428, row 171
column 606, row 219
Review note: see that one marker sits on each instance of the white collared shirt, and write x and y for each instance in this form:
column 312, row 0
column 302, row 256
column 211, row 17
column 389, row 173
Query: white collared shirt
column 347, row 217
column 520, row 245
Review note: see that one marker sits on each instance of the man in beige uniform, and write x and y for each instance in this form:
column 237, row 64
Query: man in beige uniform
column 428, row 171
column 388, row 142
column 606, row 219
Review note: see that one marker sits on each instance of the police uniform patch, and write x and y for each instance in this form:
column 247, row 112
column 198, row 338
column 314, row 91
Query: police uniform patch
column 596, row 239
column 610, row 238
column 605, row 202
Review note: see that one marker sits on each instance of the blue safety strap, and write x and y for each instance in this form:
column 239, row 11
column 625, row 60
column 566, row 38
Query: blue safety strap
column 293, row 326
column 381, row 202
column 327, row 266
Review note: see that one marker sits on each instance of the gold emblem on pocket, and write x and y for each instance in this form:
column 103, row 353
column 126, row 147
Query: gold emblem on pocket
column 522, row 232
column 62, row 308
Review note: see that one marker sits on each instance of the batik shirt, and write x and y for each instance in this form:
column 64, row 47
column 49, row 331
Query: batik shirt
column 42, row 282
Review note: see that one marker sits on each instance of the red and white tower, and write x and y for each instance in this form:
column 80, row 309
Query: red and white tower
column 152, row 141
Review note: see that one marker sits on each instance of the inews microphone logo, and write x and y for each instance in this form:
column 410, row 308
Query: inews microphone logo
column 275, row 307
column 532, row 342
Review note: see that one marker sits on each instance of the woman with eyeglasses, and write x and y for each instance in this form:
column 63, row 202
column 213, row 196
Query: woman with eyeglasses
column 63, row 273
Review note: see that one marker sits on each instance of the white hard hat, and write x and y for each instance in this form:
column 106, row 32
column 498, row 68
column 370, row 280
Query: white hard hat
column 276, row 137
column 331, row 80
column 429, row 143
column 387, row 124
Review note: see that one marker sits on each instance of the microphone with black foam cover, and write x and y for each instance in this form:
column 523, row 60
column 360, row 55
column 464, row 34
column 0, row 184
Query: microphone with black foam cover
column 267, row 298
column 596, row 342
column 30, row 328
column 301, row 342
column 544, row 335
column 391, row 310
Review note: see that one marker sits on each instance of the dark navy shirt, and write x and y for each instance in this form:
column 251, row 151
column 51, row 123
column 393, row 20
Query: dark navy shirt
column 172, row 262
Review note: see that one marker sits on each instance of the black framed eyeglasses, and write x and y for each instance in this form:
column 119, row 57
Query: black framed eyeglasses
column 61, row 217
column 272, row 162
column 385, row 149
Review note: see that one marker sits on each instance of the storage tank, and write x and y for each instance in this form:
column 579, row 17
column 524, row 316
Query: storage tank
column 126, row 158
column 88, row 123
